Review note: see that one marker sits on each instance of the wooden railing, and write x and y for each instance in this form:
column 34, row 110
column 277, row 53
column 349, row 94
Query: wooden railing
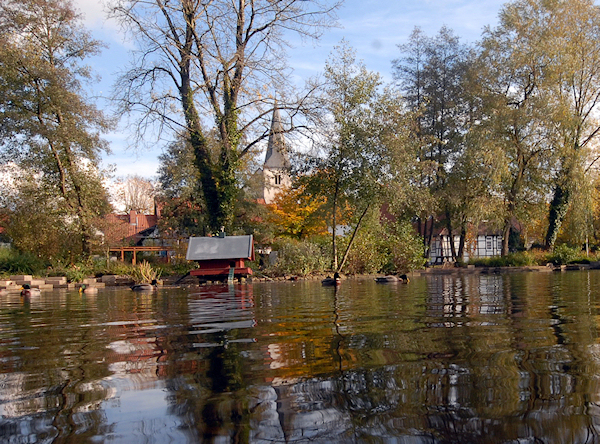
column 135, row 250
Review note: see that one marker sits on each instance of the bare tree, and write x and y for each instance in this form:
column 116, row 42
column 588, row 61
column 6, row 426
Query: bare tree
column 214, row 63
column 137, row 194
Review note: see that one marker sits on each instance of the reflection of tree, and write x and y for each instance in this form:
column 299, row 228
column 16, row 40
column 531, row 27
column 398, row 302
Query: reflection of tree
column 225, row 375
column 207, row 374
column 480, row 359
column 52, row 384
column 492, row 358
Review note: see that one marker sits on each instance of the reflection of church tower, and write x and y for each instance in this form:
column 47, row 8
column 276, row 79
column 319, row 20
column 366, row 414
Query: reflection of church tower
column 276, row 169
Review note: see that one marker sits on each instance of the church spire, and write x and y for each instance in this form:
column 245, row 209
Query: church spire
column 276, row 156
column 276, row 170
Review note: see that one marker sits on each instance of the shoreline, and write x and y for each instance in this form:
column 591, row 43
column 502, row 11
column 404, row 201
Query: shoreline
column 14, row 283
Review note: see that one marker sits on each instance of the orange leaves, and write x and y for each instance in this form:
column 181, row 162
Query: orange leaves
column 298, row 214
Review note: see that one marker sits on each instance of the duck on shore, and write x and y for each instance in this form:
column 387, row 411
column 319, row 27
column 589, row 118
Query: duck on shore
column 392, row 278
column 27, row 291
column 146, row 287
column 329, row 281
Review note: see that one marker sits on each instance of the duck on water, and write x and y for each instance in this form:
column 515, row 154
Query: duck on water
column 84, row 289
column 146, row 287
column 392, row 278
column 335, row 280
column 27, row 291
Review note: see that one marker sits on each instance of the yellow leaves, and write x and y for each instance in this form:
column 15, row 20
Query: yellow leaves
column 297, row 213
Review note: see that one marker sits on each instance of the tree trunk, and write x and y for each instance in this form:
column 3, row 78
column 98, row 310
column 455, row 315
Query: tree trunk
column 505, row 236
column 210, row 189
column 558, row 210
column 352, row 238
column 461, row 244
column 450, row 236
column 428, row 236
column 334, row 261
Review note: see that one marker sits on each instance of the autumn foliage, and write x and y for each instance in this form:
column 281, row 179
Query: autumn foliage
column 298, row 214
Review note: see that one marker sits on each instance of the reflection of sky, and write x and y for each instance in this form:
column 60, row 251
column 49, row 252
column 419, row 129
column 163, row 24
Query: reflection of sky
column 142, row 416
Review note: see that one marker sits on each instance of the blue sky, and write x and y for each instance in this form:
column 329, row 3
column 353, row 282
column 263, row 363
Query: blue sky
column 373, row 28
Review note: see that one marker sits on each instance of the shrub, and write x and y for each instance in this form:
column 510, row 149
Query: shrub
column 145, row 272
column 298, row 258
column 563, row 254
column 406, row 248
column 15, row 262
column 519, row 259
column 73, row 272
column 368, row 253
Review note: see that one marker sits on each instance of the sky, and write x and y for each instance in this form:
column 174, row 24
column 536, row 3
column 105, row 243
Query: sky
column 373, row 28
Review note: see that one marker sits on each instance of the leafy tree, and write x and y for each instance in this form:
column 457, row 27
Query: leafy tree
column 216, row 63
column 48, row 230
column 514, row 120
column 346, row 171
column 297, row 214
column 574, row 84
column 182, row 208
column 544, row 58
column 432, row 75
column 49, row 128
column 182, row 212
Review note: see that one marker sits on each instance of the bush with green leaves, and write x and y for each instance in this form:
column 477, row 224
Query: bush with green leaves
column 406, row 247
column 385, row 247
column 368, row 253
column 298, row 258
column 563, row 254
column 13, row 261
column 519, row 259
column 145, row 272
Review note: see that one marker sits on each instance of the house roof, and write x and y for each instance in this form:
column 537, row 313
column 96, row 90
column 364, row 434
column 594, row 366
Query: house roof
column 123, row 228
column 226, row 247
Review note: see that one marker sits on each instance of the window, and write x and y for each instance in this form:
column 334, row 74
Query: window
column 277, row 179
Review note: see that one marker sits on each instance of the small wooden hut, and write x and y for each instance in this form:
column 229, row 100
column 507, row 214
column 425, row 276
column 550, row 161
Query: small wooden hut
column 221, row 256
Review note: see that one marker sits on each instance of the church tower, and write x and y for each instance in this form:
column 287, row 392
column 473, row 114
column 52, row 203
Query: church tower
column 276, row 169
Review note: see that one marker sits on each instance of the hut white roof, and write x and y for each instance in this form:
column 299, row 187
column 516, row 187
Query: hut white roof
column 226, row 247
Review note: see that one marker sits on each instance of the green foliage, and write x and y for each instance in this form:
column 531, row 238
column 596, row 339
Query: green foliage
column 38, row 222
column 145, row 272
column 563, row 254
column 15, row 262
column 113, row 267
column 520, row 259
column 74, row 272
column 368, row 254
column 384, row 247
column 49, row 130
column 370, row 250
column 406, row 248
column 298, row 258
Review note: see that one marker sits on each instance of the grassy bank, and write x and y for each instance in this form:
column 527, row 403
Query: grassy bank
column 293, row 259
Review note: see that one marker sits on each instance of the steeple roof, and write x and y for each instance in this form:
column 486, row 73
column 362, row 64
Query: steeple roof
column 276, row 156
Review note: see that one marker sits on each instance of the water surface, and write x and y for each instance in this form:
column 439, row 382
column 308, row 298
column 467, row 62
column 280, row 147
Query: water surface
column 511, row 358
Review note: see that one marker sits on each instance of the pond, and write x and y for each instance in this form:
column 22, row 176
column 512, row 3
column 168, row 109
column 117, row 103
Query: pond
column 504, row 358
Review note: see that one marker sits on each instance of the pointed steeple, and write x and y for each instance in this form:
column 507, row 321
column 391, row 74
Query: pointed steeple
column 276, row 169
column 276, row 156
